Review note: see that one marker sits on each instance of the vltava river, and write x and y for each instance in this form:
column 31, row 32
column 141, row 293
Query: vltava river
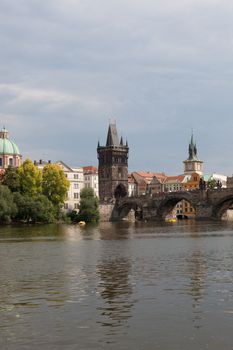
column 117, row 286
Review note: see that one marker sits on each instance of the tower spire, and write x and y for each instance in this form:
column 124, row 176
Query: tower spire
column 112, row 137
column 192, row 149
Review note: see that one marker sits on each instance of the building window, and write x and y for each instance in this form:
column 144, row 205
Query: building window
column 11, row 161
column 75, row 185
column 76, row 195
column 76, row 206
column 75, row 176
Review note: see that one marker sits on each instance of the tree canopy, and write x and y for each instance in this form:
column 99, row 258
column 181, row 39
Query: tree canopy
column 11, row 179
column 31, row 195
column 34, row 209
column 30, row 178
column 89, row 206
column 8, row 208
column 54, row 184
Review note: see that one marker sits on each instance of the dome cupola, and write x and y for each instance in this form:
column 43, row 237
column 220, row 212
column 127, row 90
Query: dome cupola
column 9, row 151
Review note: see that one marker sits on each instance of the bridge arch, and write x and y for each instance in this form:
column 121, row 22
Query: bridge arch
column 169, row 203
column 123, row 207
column 222, row 206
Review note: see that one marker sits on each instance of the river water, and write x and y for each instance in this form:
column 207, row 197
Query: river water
column 117, row 286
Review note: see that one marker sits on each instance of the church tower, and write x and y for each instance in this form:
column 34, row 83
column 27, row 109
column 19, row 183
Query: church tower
column 193, row 164
column 113, row 167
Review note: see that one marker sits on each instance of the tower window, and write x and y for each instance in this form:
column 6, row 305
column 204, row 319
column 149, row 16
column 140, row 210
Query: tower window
column 11, row 161
column 0, row 161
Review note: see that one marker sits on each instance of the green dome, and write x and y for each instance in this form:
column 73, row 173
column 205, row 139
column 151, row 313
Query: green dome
column 8, row 147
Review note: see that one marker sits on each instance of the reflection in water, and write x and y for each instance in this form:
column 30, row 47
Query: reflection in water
column 115, row 289
column 197, row 271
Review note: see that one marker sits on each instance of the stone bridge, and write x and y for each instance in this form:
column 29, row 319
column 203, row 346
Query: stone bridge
column 208, row 204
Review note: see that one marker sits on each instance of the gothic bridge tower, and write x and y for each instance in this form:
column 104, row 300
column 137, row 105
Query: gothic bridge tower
column 113, row 167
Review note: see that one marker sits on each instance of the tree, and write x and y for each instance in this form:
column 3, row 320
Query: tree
column 34, row 209
column 11, row 179
column 8, row 208
column 89, row 206
column 30, row 178
column 55, row 184
column 212, row 184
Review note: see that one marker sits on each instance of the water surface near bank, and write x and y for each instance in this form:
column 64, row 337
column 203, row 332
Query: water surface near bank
column 117, row 286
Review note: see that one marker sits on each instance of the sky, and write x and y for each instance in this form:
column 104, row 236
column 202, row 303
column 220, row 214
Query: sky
column 159, row 68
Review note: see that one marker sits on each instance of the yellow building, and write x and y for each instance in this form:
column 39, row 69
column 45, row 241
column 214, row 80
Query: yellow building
column 191, row 184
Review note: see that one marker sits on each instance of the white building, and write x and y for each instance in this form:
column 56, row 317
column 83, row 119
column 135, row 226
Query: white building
column 132, row 188
column 90, row 174
column 76, row 179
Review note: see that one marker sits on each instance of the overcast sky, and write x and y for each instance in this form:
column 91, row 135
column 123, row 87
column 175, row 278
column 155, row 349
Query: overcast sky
column 157, row 67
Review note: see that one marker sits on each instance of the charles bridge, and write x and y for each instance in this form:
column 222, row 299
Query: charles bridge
column 208, row 204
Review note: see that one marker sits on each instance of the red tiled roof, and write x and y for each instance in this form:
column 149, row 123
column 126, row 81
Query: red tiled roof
column 148, row 176
column 90, row 169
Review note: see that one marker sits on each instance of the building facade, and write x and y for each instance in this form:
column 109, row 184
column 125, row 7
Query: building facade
column 113, row 167
column 132, row 188
column 91, row 180
column 76, row 179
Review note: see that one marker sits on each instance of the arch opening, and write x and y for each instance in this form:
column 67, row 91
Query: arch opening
column 177, row 208
column 130, row 211
column 120, row 191
column 224, row 210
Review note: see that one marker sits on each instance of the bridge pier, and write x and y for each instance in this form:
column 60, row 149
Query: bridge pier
column 204, row 212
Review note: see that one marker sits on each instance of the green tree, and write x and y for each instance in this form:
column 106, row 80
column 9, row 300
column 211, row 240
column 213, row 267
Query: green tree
column 8, row 208
column 34, row 208
column 89, row 206
column 11, row 179
column 212, row 184
column 55, row 184
column 30, row 178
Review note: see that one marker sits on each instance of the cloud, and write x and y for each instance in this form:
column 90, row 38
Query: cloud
column 158, row 67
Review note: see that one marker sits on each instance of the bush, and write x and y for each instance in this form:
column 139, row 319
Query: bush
column 34, row 209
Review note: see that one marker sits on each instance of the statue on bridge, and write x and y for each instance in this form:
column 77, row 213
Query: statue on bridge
column 202, row 184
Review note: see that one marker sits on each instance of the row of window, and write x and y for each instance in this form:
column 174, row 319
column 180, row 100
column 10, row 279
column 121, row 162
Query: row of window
column 76, row 206
column 89, row 186
column 88, row 178
column 75, row 176
column 10, row 162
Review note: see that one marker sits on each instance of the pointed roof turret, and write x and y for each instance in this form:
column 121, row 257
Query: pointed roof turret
column 112, row 138
column 192, row 149
column 122, row 143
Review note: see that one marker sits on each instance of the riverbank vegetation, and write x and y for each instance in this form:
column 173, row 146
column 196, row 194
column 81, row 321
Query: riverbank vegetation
column 29, row 194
